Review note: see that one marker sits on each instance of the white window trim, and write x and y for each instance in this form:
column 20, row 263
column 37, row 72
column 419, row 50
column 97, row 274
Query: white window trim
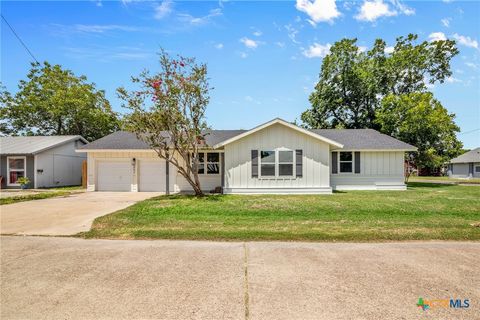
column 206, row 162
column 17, row 170
column 277, row 175
column 353, row 163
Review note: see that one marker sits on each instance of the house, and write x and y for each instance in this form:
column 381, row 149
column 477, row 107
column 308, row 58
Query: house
column 465, row 166
column 47, row 161
column 275, row 157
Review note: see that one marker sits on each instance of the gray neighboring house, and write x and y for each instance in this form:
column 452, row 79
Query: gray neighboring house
column 465, row 166
column 274, row 157
column 47, row 161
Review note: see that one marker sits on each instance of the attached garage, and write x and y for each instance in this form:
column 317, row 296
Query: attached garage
column 152, row 175
column 114, row 176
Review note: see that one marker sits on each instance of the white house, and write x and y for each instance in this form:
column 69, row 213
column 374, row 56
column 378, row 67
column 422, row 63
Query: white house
column 47, row 161
column 275, row 157
column 466, row 165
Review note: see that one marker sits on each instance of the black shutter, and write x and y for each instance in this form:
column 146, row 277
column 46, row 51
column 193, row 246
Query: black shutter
column 254, row 163
column 334, row 162
column 357, row 162
column 470, row 169
column 298, row 161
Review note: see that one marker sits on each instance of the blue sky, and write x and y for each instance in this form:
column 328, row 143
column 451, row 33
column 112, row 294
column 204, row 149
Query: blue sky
column 263, row 57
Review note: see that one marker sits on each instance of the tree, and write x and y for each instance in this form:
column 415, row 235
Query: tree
column 353, row 83
column 421, row 120
column 53, row 101
column 168, row 113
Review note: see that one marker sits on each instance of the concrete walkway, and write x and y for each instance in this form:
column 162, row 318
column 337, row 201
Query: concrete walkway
column 64, row 215
column 67, row 278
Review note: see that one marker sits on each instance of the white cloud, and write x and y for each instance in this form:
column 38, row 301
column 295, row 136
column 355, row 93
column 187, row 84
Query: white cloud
column 102, row 28
column 446, row 22
column 292, row 33
column 437, row 36
column 198, row 21
column 257, row 33
column 243, row 55
column 317, row 50
column 319, row 10
column 466, row 41
column 452, row 80
column 374, row 9
column 389, row 49
column 163, row 9
column 471, row 65
column 403, row 9
column 251, row 100
column 280, row 44
column 362, row 48
column 249, row 43
column 219, row 46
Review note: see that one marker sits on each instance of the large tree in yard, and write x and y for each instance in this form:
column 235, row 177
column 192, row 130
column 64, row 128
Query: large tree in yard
column 53, row 101
column 168, row 112
column 421, row 120
column 387, row 89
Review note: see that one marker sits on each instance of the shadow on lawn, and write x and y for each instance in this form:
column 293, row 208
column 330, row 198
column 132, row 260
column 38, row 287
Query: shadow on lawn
column 414, row 185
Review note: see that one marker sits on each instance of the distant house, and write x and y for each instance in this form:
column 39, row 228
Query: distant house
column 275, row 157
column 47, row 161
column 465, row 166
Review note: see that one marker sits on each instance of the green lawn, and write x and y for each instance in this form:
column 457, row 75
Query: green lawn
column 424, row 211
column 43, row 194
column 445, row 179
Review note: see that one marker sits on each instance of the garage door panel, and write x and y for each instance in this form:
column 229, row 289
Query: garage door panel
column 152, row 176
column 114, row 176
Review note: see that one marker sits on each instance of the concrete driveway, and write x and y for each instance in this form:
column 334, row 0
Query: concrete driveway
column 68, row 278
column 64, row 215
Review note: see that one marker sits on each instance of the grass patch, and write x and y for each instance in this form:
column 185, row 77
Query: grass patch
column 445, row 179
column 425, row 211
column 51, row 193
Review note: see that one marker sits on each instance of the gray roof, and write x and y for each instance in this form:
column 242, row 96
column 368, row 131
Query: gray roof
column 33, row 144
column 363, row 139
column 470, row 156
column 352, row 139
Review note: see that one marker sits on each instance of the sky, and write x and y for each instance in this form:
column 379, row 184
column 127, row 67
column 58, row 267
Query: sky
column 263, row 57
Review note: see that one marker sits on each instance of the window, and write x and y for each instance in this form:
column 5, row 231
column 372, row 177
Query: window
column 285, row 163
column 201, row 163
column 477, row 169
column 213, row 163
column 16, row 169
column 210, row 160
column 267, row 167
column 346, row 162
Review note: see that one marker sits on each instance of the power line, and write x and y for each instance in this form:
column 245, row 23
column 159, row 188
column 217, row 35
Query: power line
column 23, row 43
column 469, row 131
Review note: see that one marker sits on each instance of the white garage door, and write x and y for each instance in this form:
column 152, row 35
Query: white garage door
column 114, row 175
column 152, row 175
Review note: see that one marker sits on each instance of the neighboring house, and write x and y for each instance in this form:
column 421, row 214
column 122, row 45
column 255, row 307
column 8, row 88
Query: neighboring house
column 47, row 161
column 465, row 166
column 275, row 157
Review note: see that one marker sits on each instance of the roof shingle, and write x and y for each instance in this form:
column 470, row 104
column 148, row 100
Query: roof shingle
column 33, row 144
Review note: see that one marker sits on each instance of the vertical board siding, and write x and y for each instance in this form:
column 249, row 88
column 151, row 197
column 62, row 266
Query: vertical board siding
column 315, row 159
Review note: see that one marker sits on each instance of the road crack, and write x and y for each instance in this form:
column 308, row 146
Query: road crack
column 246, row 297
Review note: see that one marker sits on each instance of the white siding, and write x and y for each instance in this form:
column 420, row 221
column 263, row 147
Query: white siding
column 378, row 170
column 61, row 166
column 176, row 182
column 238, row 173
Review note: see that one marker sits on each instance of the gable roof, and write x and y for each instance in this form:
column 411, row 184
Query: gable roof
column 470, row 156
column 33, row 144
column 364, row 139
column 282, row 122
column 346, row 139
column 124, row 140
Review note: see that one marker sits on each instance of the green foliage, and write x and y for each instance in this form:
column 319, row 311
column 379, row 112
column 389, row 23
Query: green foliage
column 23, row 181
column 168, row 112
column 53, row 101
column 353, row 83
column 421, row 120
